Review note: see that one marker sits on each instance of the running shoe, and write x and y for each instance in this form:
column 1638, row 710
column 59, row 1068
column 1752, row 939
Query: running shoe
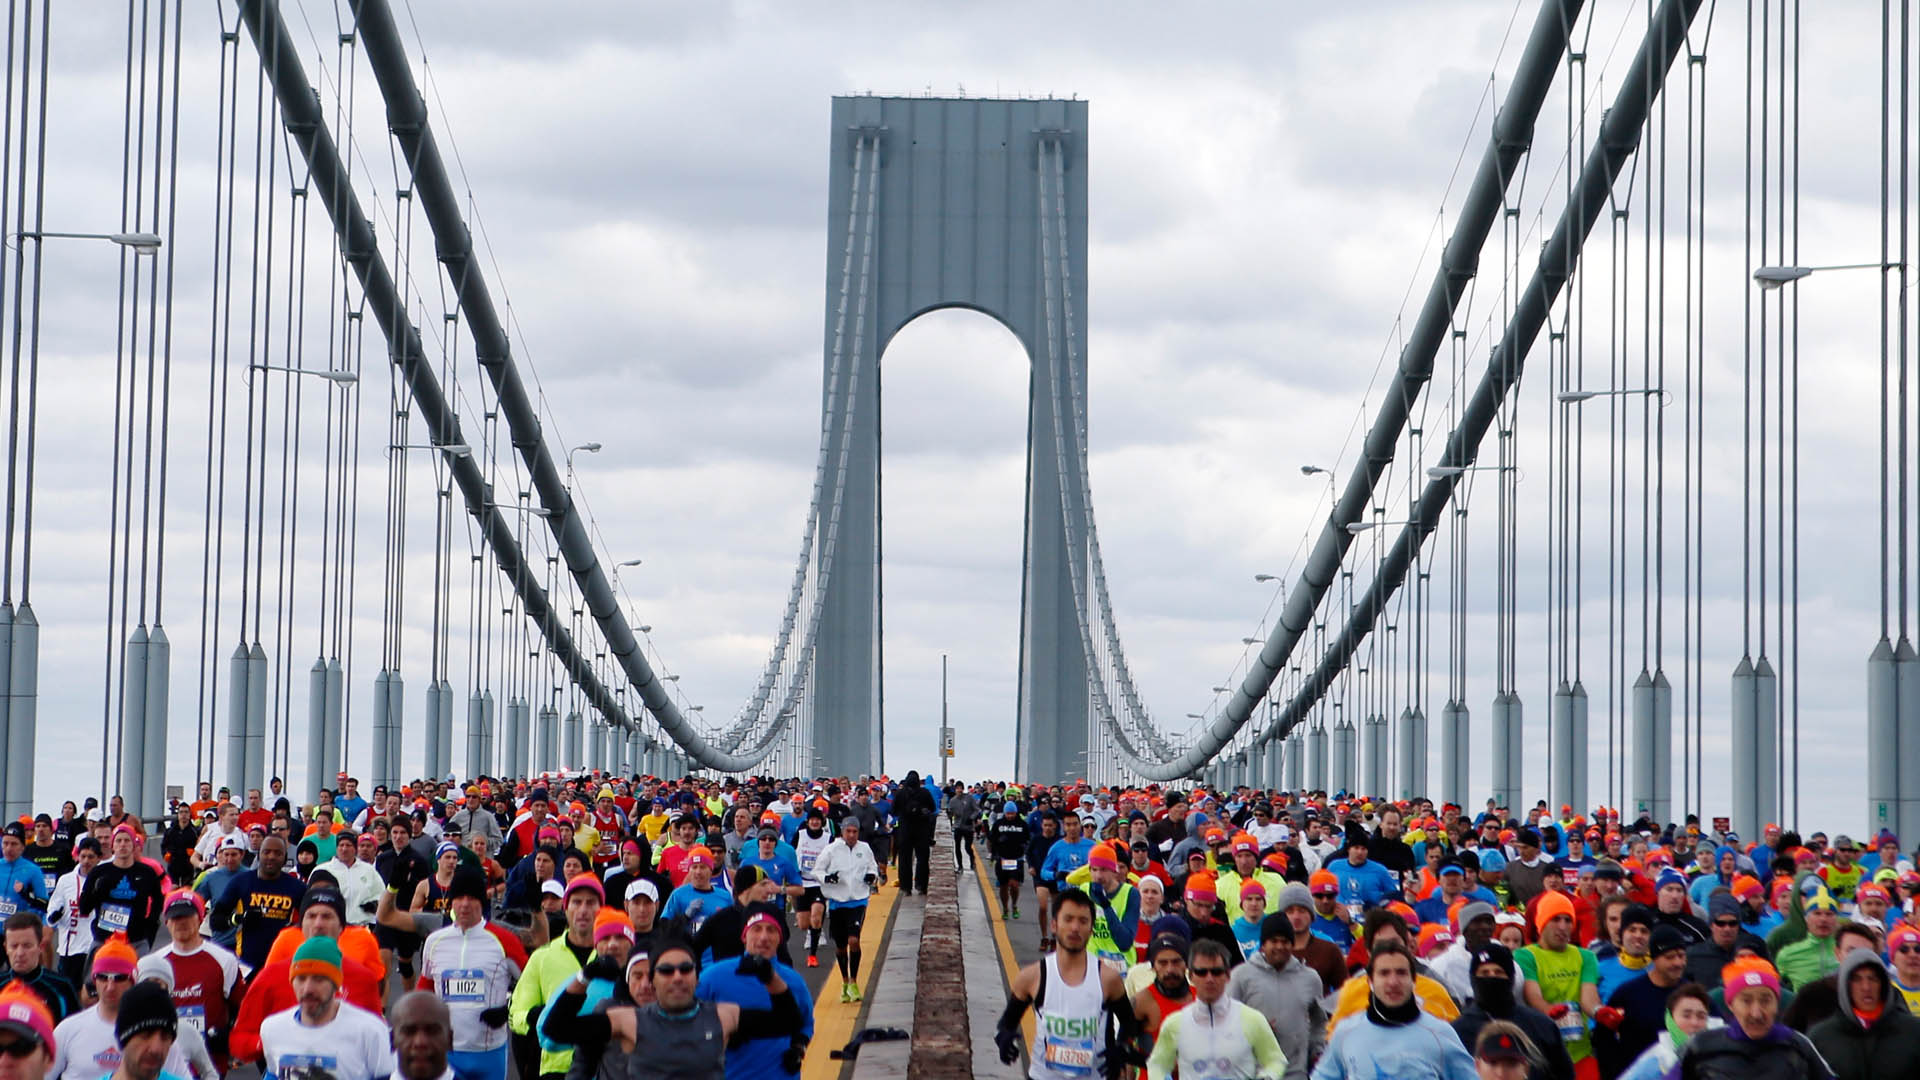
column 1016, row 914
column 846, row 994
column 854, row 989
column 813, row 961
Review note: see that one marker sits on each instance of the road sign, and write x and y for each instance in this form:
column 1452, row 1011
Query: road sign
column 946, row 742
column 1722, row 825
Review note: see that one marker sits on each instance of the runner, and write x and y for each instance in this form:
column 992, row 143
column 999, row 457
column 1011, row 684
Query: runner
column 204, row 978
column 847, row 876
column 685, row 1038
column 1072, row 997
column 1007, row 843
column 1215, row 1035
column 472, row 972
column 324, row 1037
column 808, row 844
column 88, row 1047
column 123, row 894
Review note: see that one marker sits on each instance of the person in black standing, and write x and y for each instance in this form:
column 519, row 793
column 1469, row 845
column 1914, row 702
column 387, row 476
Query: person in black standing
column 915, row 809
column 178, row 842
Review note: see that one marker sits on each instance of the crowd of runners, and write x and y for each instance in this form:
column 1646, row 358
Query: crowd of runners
column 606, row 928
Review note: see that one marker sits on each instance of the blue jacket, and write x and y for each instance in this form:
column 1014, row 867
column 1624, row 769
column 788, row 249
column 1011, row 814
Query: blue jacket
column 1425, row 1049
column 722, row 981
column 1369, row 883
column 23, row 886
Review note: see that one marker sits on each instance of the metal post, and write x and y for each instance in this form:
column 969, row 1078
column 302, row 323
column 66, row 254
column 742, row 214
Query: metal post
column 433, row 769
column 133, row 725
column 6, row 678
column 1581, row 743
column 159, row 657
column 237, row 721
column 1766, row 696
column 1745, row 810
column 316, row 729
column 1559, row 745
column 1907, row 749
column 1317, row 758
column 1497, row 718
column 573, row 757
column 477, row 764
column 23, row 706
column 1452, row 749
column 1641, row 797
column 334, row 762
column 1417, row 784
column 487, row 730
column 445, row 721
column 258, row 680
column 396, row 726
column 1662, row 748
column 946, row 732
column 377, row 737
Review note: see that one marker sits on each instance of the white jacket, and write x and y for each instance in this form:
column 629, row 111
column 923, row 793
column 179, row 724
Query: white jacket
column 73, row 932
column 853, row 864
column 359, row 884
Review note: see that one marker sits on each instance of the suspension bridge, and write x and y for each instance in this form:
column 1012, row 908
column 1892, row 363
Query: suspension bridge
column 1636, row 503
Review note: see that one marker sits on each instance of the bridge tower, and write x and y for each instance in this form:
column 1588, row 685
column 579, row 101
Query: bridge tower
column 937, row 203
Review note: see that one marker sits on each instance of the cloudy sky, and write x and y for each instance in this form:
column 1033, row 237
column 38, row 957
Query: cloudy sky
column 1270, row 186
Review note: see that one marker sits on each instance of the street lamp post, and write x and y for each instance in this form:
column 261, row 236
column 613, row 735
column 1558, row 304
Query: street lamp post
column 449, row 449
column 142, row 243
column 1575, row 397
column 583, row 448
column 332, row 375
column 1771, row 278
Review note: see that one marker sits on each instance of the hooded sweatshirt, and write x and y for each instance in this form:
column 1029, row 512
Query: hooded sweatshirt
column 1794, row 926
column 1857, row 1048
column 1289, row 998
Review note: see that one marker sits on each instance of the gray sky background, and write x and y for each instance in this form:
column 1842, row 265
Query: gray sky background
column 1268, row 186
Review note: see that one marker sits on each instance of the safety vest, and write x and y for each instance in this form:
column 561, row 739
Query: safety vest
column 1102, row 945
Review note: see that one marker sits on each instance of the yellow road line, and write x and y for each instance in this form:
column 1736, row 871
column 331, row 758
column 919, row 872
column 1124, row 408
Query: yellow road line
column 996, row 916
column 833, row 1022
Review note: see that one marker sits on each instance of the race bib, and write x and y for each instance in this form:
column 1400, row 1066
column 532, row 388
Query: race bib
column 1573, row 1026
column 306, row 1067
column 115, row 917
column 463, row 984
column 1010, row 865
column 806, row 862
column 7, row 907
column 194, row 1016
column 51, row 880
column 1068, row 1055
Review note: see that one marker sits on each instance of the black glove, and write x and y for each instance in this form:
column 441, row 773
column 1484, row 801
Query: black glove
column 370, row 906
column 216, row 1042
column 494, row 1017
column 831, row 879
column 792, row 1056
column 871, row 879
column 604, row 967
column 755, row 966
column 1009, row 1044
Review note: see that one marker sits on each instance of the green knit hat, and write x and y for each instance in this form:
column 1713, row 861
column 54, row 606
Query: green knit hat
column 317, row 956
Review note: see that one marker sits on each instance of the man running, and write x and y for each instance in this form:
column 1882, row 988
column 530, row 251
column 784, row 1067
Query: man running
column 207, row 984
column 1215, row 1035
column 123, row 895
column 808, row 845
column 470, row 969
column 324, row 1037
column 1007, row 841
column 847, row 876
column 1072, row 997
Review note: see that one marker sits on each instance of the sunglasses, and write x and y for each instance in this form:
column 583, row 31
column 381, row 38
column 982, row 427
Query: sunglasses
column 104, row 977
column 675, row 969
column 1908, row 949
column 20, row 1048
column 1731, row 924
column 1207, row 973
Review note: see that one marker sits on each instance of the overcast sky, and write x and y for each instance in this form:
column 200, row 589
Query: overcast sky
column 1268, row 188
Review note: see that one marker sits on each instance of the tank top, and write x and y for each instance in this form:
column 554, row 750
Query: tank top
column 807, row 851
column 1168, row 1006
column 1069, row 1035
column 694, row 1048
column 436, row 897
